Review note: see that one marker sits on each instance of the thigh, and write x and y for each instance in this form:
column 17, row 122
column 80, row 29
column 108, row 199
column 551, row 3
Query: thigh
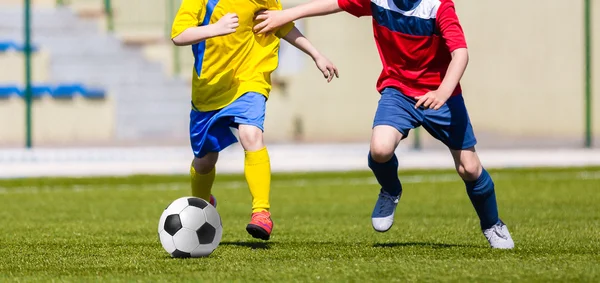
column 451, row 124
column 209, row 132
column 397, row 111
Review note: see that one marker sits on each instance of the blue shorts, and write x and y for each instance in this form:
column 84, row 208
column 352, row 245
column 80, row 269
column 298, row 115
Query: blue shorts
column 211, row 131
column 450, row 124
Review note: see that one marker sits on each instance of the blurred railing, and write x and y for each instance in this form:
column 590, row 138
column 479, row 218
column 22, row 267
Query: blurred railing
column 516, row 85
column 108, row 11
column 145, row 22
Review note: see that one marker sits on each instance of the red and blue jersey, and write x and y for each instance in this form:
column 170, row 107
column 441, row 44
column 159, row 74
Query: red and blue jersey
column 415, row 39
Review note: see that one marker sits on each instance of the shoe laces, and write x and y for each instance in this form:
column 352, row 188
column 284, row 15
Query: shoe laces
column 496, row 231
column 263, row 217
column 386, row 203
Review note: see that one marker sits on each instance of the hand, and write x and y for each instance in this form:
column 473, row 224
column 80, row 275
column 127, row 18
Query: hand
column 269, row 20
column 432, row 100
column 327, row 68
column 226, row 24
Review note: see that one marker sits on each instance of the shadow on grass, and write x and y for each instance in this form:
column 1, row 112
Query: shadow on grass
column 421, row 244
column 252, row 245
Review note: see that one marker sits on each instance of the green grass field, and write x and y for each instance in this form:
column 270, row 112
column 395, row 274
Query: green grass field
column 105, row 229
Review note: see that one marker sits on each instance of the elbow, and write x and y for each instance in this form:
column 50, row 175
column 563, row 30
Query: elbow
column 177, row 41
column 461, row 54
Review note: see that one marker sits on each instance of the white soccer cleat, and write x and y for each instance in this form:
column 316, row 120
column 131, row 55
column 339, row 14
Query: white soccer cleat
column 383, row 213
column 499, row 237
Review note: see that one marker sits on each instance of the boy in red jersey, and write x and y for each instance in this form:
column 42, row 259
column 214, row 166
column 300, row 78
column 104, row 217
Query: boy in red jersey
column 424, row 55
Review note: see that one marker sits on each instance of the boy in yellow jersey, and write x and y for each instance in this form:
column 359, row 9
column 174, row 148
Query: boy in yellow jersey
column 231, row 83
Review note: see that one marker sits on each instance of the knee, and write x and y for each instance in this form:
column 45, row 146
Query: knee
column 251, row 137
column 381, row 152
column 469, row 170
column 205, row 164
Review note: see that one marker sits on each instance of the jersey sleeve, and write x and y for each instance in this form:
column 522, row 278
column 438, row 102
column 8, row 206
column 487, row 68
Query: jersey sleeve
column 190, row 14
column 450, row 27
column 358, row 8
column 284, row 30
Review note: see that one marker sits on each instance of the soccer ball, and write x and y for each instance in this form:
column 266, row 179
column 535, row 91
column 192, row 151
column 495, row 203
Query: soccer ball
column 190, row 227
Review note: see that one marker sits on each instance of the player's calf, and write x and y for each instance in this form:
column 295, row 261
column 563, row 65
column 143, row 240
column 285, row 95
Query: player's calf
column 202, row 173
column 205, row 164
column 481, row 190
column 257, row 169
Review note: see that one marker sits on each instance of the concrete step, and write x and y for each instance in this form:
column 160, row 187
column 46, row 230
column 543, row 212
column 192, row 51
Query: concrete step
column 149, row 105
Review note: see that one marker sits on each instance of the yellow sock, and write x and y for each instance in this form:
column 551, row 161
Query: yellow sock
column 257, row 169
column 202, row 184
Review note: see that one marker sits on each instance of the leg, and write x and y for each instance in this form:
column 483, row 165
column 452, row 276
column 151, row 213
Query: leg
column 257, row 166
column 384, row 164
column 395, row 117
column 480, row 189
column 209, row 134
column 382, row 160
column 480, row 186
column 451, row 125
column 202, row 174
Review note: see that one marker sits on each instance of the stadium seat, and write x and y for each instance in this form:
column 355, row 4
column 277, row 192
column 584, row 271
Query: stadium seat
column 38, row 91
column 94, row 93
column 6, row 91
column 6, row 46
column 67, row 91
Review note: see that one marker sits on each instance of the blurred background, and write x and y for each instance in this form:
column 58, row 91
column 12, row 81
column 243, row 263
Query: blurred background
column 105, row 74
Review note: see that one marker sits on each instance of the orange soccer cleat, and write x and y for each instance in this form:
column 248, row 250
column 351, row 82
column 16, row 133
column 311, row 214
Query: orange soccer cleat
column 261, row 225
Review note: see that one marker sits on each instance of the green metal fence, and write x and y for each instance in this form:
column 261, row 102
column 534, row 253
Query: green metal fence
column 588, row 73
column 171, row 9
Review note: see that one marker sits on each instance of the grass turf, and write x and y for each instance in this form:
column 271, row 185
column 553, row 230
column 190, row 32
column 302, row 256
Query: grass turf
column 105, row 229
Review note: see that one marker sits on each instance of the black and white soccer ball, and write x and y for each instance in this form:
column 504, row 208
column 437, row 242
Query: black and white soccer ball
column 190, row 227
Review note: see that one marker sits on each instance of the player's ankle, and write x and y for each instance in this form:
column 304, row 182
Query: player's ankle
column 257, row 210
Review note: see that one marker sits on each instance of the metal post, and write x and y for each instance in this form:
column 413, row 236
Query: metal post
column 588, row 73
column 109, row 15
column 28, row 94
column 417, row 142
column 171, row 15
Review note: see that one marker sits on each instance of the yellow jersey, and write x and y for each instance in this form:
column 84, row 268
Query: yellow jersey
column 228, row 66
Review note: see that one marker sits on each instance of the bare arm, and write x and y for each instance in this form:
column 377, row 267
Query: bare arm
column 297, row 39
column 226, row 25
column 436, row 99
column 273, row 19
column 314, row 8
column 456, row 69
column 194, row 35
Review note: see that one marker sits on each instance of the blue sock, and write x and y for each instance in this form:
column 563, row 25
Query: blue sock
column 483, row 197
column 387, row 175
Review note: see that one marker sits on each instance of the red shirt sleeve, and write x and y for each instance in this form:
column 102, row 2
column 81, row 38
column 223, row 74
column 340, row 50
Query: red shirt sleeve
column 449, row 26
column 357, row 8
